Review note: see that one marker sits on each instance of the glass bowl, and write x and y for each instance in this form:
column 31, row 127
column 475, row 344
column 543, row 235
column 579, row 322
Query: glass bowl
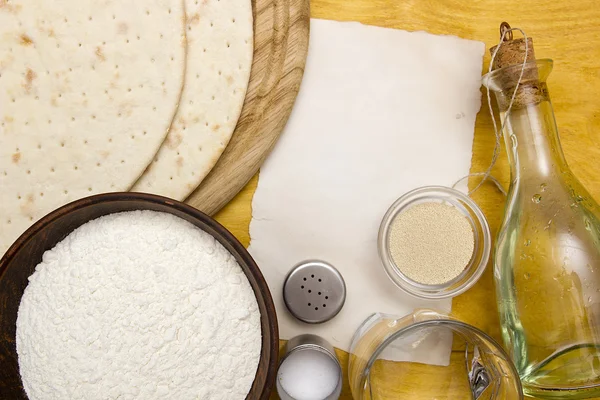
column 481, row 234
column 430, row 356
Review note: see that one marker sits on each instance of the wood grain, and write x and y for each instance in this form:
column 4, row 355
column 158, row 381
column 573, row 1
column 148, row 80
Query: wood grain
column 281, row 30
column 568, row 32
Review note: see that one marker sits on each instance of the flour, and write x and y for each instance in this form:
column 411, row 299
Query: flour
column 138, row 305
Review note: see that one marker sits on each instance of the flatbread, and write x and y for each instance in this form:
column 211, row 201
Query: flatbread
column 88, row 90
column 219, row 57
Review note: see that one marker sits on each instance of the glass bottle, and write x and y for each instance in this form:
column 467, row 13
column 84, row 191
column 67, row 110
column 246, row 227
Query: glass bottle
column 547, row 258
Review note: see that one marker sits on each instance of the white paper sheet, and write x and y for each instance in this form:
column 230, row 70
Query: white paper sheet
column 380, row 112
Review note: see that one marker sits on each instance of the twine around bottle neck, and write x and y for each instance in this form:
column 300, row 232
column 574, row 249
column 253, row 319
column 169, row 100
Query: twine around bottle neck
column 512, row 50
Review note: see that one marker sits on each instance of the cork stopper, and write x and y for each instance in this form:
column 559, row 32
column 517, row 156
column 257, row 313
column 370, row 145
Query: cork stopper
column 509, row 59
column 512, row 52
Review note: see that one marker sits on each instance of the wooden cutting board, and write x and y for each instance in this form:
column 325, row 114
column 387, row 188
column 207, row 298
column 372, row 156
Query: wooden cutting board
column 281, row 31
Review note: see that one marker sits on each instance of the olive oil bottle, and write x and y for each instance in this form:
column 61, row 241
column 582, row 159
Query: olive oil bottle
column 547, row 256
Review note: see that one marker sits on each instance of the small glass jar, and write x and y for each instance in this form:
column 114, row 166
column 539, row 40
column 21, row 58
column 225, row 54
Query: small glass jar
column 481, row 235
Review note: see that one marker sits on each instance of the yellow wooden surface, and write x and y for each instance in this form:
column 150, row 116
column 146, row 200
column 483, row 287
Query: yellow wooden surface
column 566, row 31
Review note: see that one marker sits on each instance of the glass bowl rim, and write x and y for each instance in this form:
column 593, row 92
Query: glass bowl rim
column 434, row 291
column 450, row 323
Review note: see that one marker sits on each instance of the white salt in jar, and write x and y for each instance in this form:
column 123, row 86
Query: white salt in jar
column 434, row 242
column 309, row 370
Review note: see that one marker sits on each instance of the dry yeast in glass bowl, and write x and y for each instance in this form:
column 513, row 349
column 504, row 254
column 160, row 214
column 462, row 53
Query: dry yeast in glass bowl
column 434, row 242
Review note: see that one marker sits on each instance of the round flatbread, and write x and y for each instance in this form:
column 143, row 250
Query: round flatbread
column 88, row 90
column 219, row 58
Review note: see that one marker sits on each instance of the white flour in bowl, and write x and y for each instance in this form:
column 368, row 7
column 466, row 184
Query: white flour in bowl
column 138, row 305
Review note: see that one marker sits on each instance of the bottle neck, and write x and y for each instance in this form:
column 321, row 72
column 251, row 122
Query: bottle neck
column 532, row 141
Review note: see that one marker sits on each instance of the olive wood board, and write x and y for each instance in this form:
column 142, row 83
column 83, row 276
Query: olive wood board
column 281, row 32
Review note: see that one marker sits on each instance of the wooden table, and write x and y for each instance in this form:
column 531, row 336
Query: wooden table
column 566, row 31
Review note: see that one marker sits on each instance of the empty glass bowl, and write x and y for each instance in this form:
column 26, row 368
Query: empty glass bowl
column 430, row 356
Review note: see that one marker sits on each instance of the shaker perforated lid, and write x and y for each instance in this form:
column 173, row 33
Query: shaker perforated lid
column 314, row 291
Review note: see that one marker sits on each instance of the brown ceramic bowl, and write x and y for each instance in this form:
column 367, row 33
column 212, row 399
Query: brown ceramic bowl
column 21, row 259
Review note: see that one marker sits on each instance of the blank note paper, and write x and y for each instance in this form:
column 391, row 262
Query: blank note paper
column 380, row 112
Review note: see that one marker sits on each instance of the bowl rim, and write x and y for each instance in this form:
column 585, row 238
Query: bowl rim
column 214, row 225
column 454, row 325
column 426, row 291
